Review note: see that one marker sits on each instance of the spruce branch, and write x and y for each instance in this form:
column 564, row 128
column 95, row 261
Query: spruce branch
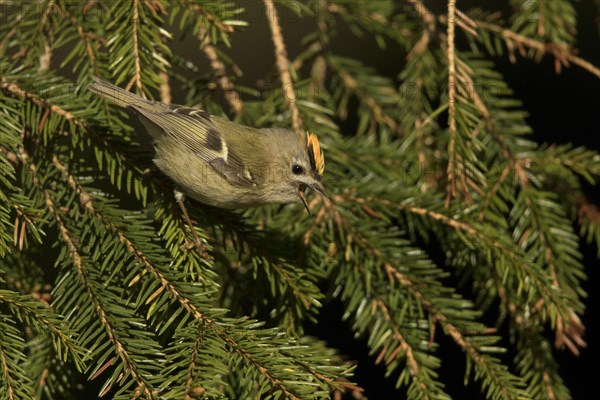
column 391, row 339
column 496, row 377
column 262, row 368
column 562, row 54
column 189, row 384
column 210, row 17
column 14, row 382
column 568, row 327
column 40, row 314
column 293, row 288
column 353, row 86
column 87, row 202
column 291, row 283
column 534, row 359
column 517, row 259
column 180, row 241
column 403, row 346
column 136, row 43
column 390, row 348
column 493, row 370
column 372, row 91
column 78, row 262
column 579, row 160
column 368, row 19
column 14, row 90
column 85, row 38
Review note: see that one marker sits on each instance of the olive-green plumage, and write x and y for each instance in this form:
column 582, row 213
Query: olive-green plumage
column 220, row 163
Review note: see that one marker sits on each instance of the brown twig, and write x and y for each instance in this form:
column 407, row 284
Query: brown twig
column 283, row 64
column 192, row 366
column 15, row 90
column 451, row 172
column 378, row 112
column 84, row 37
column 403, row 345
column 420, row 46
column 466, row 23
column 165, row 88
column 46, row 13
column 6, row 375
column 198, row 9
column 382, row 20
column 425, row 14
column 586, row 210
column 137, row 78
column 46, row 57
column 562, row 54
column 231, row 95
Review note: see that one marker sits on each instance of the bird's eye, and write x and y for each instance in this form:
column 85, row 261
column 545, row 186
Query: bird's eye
column 297, row 169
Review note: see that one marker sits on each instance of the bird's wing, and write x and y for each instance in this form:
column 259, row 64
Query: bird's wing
column 192, row 127
column 196, row 130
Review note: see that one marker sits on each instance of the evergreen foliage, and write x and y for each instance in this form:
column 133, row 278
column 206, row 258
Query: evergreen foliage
column 99, row 278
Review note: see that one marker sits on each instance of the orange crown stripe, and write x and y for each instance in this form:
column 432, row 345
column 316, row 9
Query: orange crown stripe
column 317, row 153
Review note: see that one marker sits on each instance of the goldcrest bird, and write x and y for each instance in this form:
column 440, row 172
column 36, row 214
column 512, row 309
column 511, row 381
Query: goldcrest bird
column 224, row 164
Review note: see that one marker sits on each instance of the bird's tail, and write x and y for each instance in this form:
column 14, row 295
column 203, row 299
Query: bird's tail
column 121, row 97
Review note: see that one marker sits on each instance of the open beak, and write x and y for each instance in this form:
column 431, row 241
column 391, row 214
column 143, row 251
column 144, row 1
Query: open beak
column 303, row 198
column 317, row 188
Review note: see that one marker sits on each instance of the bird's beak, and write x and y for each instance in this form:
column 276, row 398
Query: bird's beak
column 317, row 188
column 303, row 198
